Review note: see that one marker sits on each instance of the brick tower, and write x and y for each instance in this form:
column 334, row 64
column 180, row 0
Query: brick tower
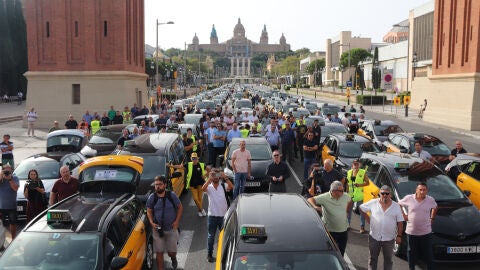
column 84, row 55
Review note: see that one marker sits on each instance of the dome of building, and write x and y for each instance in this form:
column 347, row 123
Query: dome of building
column 283, row 40
column 195, row 40
column 239, row 30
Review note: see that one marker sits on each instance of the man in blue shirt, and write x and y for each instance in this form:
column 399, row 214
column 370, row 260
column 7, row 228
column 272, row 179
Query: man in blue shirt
column 219, row 137
column 233, row 133
column 273, row 138
column 288, row 138
column 9, row 184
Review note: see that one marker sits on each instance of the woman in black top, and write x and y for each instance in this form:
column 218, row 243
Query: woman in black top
column 35, row 194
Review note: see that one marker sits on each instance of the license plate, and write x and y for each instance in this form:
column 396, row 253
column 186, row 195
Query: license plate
column 252, row 184
column 19, row 208
column 459, row 250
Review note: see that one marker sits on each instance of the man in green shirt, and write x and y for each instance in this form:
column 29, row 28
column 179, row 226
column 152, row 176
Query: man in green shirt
column 334, row 206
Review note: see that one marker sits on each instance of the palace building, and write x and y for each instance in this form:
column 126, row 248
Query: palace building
column 239, row 49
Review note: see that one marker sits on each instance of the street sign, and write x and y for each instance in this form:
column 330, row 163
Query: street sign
column 406, row 100
column 387, row 85
column 349, row 83
column 396, row 101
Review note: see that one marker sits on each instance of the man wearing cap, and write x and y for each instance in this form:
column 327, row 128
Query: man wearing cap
column 357, row 179
column 386, row 227
column 196, row 174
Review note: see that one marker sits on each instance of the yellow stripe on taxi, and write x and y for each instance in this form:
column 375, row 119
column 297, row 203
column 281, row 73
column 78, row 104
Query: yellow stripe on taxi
column 131, row 161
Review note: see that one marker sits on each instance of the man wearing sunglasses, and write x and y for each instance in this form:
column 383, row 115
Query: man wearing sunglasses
column 334, row 206
column 277, row 172
column 386, row 227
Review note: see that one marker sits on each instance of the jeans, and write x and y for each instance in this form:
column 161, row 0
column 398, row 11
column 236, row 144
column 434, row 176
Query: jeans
column 419, row 244
column 211, row 154
column 239, row 185
column 341, row 240
column 362, row 219
column 213, row 224
column 307, row 162
column 375, row 246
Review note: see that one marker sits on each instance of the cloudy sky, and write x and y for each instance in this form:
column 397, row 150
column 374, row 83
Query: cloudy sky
column 305, row 23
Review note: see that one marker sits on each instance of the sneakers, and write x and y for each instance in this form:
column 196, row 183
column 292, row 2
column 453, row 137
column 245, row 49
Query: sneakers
column 211, row 259
column 204, row 213
column 362, row 230
column 174, row 263
column 200, row 214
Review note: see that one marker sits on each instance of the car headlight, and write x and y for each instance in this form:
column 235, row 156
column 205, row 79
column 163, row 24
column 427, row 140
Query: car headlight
column 228, row 173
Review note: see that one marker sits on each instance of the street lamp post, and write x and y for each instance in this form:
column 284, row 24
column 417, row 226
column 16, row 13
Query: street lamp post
column 156, row 56
column 414, row 64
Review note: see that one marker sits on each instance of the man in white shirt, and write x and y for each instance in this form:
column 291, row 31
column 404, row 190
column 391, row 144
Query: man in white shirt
column 419, row 152
column 386, row 227
column 217, row 205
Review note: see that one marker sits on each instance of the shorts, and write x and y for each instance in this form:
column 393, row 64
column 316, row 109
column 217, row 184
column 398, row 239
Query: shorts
column 11, row 214
column 168, row 241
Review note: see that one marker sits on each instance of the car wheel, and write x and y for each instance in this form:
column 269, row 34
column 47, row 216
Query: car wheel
column 148, row 263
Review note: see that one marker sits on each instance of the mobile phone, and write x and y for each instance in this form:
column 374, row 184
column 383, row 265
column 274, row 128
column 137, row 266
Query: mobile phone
column 218, row 174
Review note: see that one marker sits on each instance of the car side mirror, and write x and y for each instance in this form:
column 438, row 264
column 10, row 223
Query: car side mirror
column 467, row 193
column 118, row 263
column 176, row 174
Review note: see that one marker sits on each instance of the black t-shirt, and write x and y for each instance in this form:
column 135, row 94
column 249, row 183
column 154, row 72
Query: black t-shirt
column 71, row 124
column 328, row 178
column 454, row 151
column 33, row 194
column 121, row 141
column 187, row 143
column 105, row 121
column 118, row 119
column 309, row 143
column 317, row 129
column 301, row 130
column 197, row 178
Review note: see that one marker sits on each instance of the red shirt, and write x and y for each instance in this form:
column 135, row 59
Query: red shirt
column 64, row 190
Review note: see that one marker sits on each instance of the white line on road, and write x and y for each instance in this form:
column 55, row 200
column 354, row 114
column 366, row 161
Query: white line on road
column 294, row 174
column 184, row 243
column 349, row 262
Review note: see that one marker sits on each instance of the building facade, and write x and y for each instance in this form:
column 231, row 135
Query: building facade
column 84, row 55
column 239, row 49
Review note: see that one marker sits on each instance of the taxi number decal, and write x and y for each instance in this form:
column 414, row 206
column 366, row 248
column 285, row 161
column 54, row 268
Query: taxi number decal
column 105, row 174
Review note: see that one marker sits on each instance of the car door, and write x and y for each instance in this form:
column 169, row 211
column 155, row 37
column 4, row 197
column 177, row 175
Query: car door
column 128, row 234
column 372, row 169
column 469, row 179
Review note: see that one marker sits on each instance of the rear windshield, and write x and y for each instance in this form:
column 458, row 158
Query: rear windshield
column 257, row 151
column 105, row 136
column 105, row 172
column 283, row 260
column 243, row 104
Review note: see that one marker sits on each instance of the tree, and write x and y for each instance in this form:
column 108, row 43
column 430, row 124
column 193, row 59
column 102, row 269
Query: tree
column 376, row 76
column 357, row 55
column 302, row 52
column 314, row 68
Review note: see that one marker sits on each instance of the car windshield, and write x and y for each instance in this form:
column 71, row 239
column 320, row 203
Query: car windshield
column 384, row 130
column 311, row 106
column 243, row 104
column 152, row 166
column 440, row 186
column 436, row 148
column 283, row 260
column 355, row 149
column 330, row 129
column 55, row 250
column 106, row 172
column 64, row 140
column 330, row 110
column 47, row 169
column 105, row 136
column 257, row 151
column 192, row 119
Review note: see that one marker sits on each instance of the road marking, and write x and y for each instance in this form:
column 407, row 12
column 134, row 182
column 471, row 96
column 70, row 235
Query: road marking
column 294, row 174
column 184, row 243
column 349, row 262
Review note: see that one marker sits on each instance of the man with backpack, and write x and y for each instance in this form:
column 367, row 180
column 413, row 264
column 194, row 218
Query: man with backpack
column 218, row 203
column 164, row 211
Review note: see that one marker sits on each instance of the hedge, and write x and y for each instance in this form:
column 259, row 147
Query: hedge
column 371, row 99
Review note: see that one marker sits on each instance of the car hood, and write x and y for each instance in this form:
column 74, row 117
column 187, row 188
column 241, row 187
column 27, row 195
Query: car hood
column 259, row 167
column 457, row 221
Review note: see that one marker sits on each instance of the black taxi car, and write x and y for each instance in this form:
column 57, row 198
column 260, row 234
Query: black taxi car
column 257, row 234
column 342, row 149
column 104, row 226
column 261, row 157
column 456, row 228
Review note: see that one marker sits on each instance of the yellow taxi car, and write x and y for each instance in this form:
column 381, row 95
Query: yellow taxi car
column 256, row 234
column 456, row 230
column 465, row 171
column 103, row 226
column 378, row 130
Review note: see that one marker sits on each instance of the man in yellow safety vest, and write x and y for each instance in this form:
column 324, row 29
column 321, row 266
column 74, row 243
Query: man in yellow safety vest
column 357, row 179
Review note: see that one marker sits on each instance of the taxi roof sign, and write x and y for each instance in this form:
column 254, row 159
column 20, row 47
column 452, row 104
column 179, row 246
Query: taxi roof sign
column 402, row 165
column 349, row 137
column 253, row 232
column 59, row 216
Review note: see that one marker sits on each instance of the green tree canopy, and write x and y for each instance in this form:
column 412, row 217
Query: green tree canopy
column 288, row 66
column 319, row 63
column 357, row 55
